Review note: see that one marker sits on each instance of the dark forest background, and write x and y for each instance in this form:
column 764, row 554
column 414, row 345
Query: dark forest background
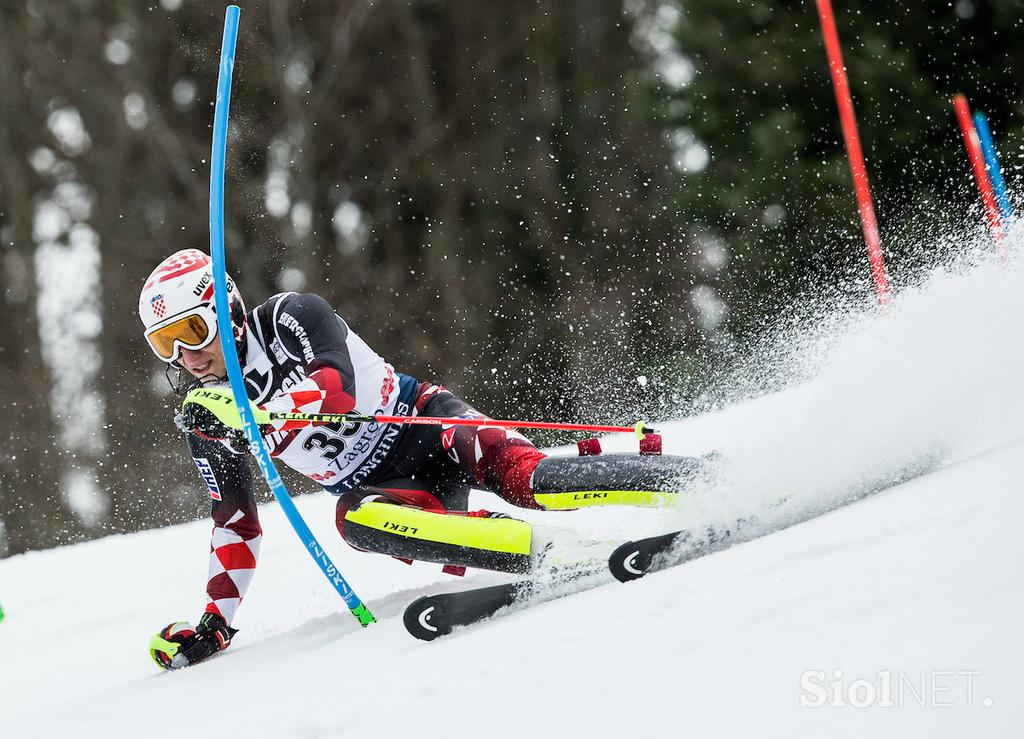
column 535, row 202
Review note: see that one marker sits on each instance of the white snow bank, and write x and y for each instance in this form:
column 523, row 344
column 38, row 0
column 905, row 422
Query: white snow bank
column 920, row 583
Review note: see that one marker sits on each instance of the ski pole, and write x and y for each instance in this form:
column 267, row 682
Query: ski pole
column 222, row 406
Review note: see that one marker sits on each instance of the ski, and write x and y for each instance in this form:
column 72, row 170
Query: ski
column 433, row 616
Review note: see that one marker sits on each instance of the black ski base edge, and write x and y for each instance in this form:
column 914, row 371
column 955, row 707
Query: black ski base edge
column 432, row 616
column 634, row 559
column 436, row 615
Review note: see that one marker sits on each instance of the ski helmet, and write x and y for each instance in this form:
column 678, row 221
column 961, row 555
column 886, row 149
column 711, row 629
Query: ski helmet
column 177, row 305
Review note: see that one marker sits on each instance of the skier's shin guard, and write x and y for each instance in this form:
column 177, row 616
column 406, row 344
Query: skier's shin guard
column 501, row 544
column 561, row 483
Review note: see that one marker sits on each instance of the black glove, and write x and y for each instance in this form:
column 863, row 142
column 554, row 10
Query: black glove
column 212, row 635
column 194, row 419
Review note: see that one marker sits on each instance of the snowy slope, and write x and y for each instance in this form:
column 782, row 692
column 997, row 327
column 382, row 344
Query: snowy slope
column 918, row 586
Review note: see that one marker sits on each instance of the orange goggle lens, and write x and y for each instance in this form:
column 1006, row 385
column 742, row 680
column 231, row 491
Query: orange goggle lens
column 191, row 332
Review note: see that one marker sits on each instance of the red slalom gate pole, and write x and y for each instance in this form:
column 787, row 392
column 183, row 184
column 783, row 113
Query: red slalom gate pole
column 974, row 153
column 848, row 121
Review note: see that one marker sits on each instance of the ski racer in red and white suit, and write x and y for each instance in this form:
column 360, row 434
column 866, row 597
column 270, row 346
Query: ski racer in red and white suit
column 298, row 355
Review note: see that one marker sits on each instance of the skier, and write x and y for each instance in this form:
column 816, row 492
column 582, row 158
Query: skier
column 402, row 490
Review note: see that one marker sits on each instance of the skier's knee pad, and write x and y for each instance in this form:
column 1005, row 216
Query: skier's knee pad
column 400, row 495
column 494, row 543
column 564, row 483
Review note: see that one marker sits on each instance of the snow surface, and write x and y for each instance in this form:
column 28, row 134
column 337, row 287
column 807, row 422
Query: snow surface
column 917, row 586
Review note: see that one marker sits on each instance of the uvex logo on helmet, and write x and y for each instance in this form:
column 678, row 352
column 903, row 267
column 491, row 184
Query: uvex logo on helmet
column 206, row 280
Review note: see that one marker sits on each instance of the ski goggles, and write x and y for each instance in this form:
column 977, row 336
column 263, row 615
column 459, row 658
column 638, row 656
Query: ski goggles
column 193, row 330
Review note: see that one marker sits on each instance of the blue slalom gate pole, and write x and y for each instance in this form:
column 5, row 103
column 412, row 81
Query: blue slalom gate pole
column 224, row 328
column 995, row 172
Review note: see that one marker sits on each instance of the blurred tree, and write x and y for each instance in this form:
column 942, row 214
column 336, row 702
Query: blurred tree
column 33, row 511
column 562, row 208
